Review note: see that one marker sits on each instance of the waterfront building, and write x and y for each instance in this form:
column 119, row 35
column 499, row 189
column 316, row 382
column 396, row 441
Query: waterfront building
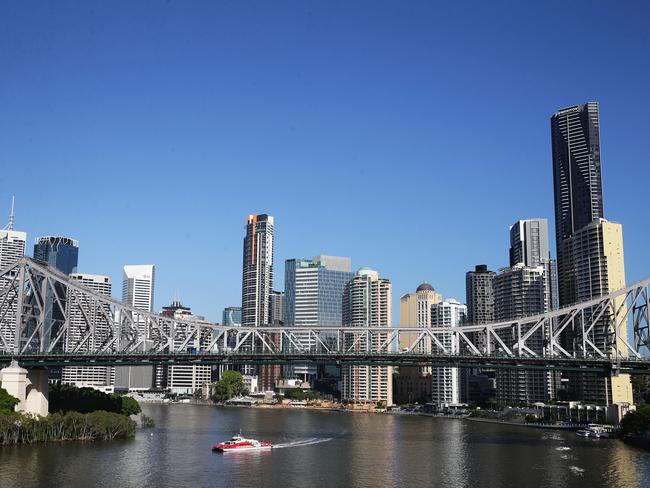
column 520, row 291
column 446, row 382
column 313, row 297
column 186, row 379
column 257, row 278
column 231, row 316
column 367, row 301
column 12, row 249
column 137, row 292
column 479, row 296
column 414, row 383
column 85, row 313
column 276, row 308
column 257, row 282
column 589, row 248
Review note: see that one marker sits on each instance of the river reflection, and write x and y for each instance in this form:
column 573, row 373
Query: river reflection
column 327, row 449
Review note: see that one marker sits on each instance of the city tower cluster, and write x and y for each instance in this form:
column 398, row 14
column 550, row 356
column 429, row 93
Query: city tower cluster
column 325, row 291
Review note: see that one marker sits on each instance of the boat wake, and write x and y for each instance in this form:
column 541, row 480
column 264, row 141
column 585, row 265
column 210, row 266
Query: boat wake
column 303, row 442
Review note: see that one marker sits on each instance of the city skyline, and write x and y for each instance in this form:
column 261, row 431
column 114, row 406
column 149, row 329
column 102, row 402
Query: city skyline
column 399, row 115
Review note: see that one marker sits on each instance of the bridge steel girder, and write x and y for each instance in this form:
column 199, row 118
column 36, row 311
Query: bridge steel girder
column 95, row 326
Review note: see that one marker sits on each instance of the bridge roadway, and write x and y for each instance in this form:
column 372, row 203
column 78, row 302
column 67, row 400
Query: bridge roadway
column 583, row 364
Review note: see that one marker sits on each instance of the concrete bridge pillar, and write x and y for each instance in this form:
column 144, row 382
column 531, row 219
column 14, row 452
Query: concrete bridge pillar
column 29, row 387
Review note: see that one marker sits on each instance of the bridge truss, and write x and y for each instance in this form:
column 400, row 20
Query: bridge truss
column 48, row 318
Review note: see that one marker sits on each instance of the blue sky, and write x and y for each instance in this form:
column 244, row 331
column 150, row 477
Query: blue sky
column 406, row 135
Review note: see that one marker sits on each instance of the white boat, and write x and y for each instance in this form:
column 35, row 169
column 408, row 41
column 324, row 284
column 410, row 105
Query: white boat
column 595, row 431
column 238, row 443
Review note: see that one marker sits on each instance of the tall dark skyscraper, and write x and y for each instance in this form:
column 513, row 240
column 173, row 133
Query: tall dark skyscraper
column 577, row 181
column 257, row 277
column 589, row 248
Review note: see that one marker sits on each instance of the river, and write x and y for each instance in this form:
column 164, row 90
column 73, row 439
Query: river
column 327, row 449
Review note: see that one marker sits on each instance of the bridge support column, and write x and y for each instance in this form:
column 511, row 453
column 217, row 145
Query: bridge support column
column 29, row 387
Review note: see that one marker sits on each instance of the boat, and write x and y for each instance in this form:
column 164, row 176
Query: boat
column 239, row 443
column 595, row 431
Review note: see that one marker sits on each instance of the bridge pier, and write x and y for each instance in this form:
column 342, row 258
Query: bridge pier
column 29, row 386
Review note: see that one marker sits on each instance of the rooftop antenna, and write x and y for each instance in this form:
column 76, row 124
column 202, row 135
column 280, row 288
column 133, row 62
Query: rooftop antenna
column 10, row 225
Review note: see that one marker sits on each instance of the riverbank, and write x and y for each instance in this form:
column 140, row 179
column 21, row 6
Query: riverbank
column 16, row 428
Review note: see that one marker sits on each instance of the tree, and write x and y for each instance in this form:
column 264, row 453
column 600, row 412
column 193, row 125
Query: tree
column 294, row 394
column 230, row 385
column 637, row 422
column 129, row 406
column 7, row 402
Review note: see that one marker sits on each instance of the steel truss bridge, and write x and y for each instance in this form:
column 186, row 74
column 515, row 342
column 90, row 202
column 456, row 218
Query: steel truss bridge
column 48, row 319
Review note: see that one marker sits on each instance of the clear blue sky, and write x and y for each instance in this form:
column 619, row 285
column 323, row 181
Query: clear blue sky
column 406, row 135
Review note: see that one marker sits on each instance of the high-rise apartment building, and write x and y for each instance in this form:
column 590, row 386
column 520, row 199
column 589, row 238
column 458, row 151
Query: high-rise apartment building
column 138, row 292
column 12, row 249
column 83, row 314
column 446, row 382
column 479, row 294
column 367, row 301
column 520, row 291
column 414, row 383
column 477, row 383
column 257, row 278
column 313, row 296
column 589, row 249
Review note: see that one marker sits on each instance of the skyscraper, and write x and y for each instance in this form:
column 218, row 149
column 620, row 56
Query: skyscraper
column 577, row 182
column 84, row 312
column 367, row 302
column 446, row 383
column 529, row 242
column 479, row 295
column 12, row 248
column 520, row 291
column 313, row 296
column 231, row 316
column 276, row 308
column 589, row 249
column 413, row 383
column 138, row 292
column 257, row 278
column 61, row 253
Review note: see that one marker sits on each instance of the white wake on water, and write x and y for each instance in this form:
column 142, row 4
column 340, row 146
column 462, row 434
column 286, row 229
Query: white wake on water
column 302, row 442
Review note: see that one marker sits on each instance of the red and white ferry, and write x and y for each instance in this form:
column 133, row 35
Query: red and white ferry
column 239, row 443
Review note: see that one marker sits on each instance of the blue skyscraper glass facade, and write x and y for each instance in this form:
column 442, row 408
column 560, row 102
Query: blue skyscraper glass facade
column 231, row 316
column 313, row 296
column 59, row 252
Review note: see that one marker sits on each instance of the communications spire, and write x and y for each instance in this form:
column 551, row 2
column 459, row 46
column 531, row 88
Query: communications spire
column 10, row 225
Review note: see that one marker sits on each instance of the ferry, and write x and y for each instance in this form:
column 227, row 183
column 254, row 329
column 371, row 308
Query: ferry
column 238, row 443
column 593, row 430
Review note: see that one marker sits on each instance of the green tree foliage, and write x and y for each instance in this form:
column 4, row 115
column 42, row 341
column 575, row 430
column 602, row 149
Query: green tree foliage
column 299, row 394
column 67, row 398
column 16, row 428
column 129, row 406
column 7, row 402
column 637, row 422
column 230, row 385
